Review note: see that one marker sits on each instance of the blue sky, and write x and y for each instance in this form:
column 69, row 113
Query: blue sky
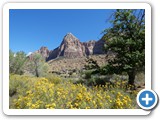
column 31, row 29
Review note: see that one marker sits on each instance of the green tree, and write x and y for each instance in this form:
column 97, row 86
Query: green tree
column 91, row 64
column 37, row 65
column 126, row 40
column 11, row 61
column 91, row 67
column 17, row 62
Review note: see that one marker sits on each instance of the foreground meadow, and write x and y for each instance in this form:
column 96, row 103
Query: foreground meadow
column 55, row 93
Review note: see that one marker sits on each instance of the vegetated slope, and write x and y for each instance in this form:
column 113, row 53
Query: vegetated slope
column 66, row 65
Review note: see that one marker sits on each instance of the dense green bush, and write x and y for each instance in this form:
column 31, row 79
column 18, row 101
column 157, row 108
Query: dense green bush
column 88, row 74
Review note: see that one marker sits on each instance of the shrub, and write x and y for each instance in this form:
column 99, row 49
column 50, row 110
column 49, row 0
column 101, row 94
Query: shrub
column 87, row 74
column 41, row 93
column 16, row 83
column 53, row 78
column 17, row 62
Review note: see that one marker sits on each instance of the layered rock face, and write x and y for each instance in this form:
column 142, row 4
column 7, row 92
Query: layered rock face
column 71, row 47
column 98, row 48
column 89, row 47
column 44, row 52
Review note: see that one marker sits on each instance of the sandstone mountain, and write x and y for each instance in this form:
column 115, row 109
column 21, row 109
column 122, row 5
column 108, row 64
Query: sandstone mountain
column 43, row 51
column 71, row 47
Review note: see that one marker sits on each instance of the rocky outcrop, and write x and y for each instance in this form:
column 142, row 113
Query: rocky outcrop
column 89, row 46
column 71, row 47
column 53, row 54
column 99, row 47
column 43, row 51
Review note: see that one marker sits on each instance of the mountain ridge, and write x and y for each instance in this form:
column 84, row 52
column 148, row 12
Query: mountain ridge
column 72, row 47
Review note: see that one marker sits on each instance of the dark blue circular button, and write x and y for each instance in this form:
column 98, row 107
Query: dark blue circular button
column 147, row 99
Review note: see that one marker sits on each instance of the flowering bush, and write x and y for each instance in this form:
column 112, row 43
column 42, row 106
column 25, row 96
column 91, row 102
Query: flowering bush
column 41, row 93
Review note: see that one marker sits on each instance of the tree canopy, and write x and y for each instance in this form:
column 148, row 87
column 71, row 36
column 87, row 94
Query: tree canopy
column 126, row 40
column 17, row 62
column 37, row 65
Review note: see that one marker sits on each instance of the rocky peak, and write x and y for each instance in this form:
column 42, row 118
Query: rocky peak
column 71, row 47
column 69, row 36
column 44, row 52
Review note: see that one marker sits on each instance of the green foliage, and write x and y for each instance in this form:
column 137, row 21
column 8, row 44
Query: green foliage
column 53, row 78
column 96, row 80
column 17, row 62
column 16, row 84
column 91, row 68
column 126, row 39
column 40, row 93
column 37, row 65
column 88, row 74
column 91, row 64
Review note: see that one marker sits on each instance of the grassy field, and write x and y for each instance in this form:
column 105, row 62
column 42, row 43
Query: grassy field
column 55, row 93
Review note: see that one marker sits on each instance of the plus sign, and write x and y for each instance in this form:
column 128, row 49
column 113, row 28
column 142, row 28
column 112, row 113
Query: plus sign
column 147, row 99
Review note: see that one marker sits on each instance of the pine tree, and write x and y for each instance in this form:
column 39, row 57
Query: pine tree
column 126, row 40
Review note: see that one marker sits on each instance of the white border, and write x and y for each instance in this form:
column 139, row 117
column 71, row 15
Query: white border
column 8, row 6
